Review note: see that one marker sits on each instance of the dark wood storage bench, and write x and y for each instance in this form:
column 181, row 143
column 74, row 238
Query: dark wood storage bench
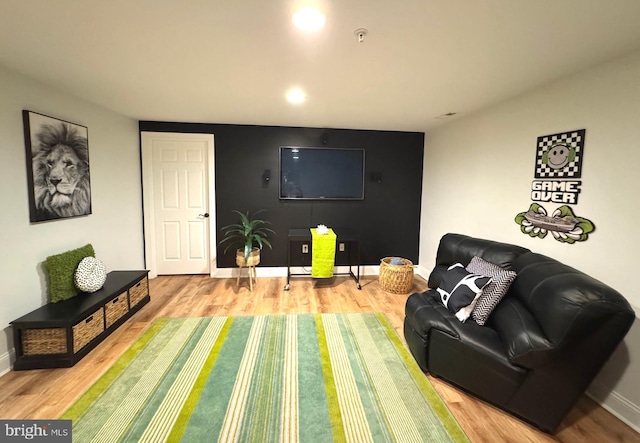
column 58, row 335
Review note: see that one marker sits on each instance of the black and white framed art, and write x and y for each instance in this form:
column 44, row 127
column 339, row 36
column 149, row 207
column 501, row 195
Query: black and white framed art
column 57, row 167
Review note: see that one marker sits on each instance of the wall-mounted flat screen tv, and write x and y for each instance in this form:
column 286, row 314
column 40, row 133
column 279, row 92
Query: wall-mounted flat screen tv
column 321, row 173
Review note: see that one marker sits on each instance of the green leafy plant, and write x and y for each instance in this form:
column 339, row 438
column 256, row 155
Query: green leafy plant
column 250, row 233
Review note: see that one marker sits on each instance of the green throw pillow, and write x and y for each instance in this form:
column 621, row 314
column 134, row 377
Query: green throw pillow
column 61, row 269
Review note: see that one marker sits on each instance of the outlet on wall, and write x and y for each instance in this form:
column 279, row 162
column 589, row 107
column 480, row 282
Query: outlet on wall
column 305, row 248
column 341, row 247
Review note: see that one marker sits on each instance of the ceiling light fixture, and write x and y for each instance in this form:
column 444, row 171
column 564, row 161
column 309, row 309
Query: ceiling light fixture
column 308, row 19
column 296, row 96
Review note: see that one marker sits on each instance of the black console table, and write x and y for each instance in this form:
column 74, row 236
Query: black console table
column 299, row 250
column 59, row 334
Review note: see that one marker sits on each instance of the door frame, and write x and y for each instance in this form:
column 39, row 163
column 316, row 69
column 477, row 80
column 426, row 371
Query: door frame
column 148, row 192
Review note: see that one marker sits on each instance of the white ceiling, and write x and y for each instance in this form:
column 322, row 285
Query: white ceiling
column 232, row 61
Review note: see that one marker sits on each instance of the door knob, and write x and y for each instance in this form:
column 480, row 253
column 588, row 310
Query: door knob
column 205, row 215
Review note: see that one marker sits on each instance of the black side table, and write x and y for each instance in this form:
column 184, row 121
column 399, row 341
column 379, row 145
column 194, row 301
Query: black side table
column 299, row 250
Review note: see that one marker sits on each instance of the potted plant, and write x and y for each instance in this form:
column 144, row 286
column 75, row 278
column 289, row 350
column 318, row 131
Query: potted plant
column 248, row 237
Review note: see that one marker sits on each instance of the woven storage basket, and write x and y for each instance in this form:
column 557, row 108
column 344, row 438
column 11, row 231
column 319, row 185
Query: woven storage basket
column 138, row 292
column 397, row 279
column 44, row 341
column 87, row 329
column 116, row 309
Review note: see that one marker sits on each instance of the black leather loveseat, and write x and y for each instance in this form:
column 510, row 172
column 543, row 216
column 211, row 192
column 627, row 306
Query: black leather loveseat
column 540, row 347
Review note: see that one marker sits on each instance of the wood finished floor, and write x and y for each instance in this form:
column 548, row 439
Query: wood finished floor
column 47, row 393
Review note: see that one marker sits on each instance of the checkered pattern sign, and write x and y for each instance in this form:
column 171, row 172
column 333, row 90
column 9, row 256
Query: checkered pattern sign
column 559, row 156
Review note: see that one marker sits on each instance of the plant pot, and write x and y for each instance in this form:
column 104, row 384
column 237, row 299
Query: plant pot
column 254, row 257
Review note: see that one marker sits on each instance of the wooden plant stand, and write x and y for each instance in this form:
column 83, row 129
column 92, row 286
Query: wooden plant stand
column 254, row 259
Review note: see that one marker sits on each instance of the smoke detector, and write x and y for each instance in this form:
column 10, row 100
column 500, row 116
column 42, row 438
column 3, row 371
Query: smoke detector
column 360, row 34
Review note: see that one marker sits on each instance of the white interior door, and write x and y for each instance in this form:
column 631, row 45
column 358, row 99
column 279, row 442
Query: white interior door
column 178, row 221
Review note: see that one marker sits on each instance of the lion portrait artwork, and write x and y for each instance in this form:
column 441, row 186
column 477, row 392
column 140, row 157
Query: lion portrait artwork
column 60, row 164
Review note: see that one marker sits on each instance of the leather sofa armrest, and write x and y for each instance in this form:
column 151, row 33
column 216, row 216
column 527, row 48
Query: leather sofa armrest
column 523, row 339
column 425, row 311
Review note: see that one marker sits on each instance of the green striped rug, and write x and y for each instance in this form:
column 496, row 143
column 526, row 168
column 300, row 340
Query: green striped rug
column 308, row 377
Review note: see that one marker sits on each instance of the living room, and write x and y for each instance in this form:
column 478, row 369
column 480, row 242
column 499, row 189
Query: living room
column 476, row 175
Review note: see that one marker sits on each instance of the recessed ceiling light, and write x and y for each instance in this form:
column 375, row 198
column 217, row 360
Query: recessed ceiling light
column 296, row 96
column 308, row 19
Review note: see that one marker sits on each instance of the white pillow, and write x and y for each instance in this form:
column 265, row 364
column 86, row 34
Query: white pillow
column 90, row 274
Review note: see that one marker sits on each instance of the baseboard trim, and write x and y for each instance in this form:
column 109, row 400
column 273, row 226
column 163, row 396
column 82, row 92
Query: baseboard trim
column 422, row 271
column 622, row 408
column 263, row 271
column 6, row 361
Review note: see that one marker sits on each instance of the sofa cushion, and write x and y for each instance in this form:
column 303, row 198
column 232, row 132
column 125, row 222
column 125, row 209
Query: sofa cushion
column 492, row 293
column 459, row 290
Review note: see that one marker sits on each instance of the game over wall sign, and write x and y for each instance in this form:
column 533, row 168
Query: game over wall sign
column 556, row 191
column 558, row 166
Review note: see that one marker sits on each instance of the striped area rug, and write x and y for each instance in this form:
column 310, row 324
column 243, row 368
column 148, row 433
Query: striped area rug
column 281, row 378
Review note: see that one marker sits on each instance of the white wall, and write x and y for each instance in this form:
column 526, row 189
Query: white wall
column 478, row 173
column 115, row 226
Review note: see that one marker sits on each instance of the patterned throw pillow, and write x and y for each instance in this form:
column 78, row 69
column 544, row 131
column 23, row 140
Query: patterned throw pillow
column 460, row 289
column 90, row 274
column 501, row 280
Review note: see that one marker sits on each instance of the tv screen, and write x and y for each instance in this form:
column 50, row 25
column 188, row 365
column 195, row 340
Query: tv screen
column 321, row 173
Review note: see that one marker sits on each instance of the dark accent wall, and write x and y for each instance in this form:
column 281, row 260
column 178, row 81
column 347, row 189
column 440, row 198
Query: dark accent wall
column 387, row 221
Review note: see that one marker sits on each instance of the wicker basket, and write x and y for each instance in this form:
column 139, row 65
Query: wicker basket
column 87, row 330
column 254, row 257
column 116, row 309
column 139, row 291
column 44, row 341
column 397, row 279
